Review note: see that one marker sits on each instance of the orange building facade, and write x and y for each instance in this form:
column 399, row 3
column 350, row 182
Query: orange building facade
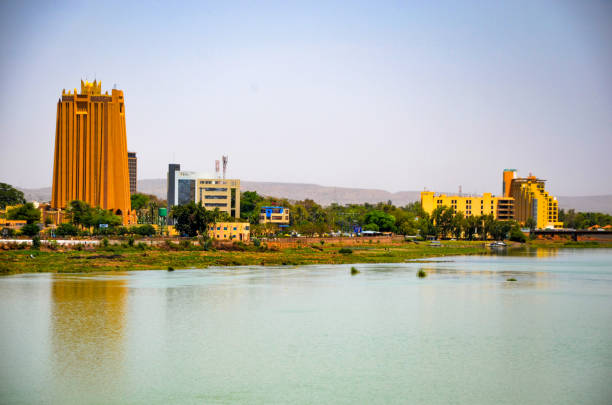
column 91, row 161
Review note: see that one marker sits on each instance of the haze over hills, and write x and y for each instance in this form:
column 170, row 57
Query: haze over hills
column 326, row 195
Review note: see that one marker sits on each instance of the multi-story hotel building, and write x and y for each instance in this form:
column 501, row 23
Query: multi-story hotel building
column 500, row 207
column 274, row 215
column 90, row 161
column 223, row 194
column 531, row 200
column 133, row 169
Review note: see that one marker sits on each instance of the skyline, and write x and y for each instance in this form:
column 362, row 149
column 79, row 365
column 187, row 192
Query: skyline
column 393, row 97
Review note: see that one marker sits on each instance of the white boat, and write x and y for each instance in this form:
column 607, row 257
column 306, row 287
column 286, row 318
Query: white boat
column 497, row 244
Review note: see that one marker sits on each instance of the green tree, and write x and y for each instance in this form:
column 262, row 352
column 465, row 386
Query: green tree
column 139, row 201
column 30, row 230
column 443, row 220
column 385, row 222
column 471, row 226
column 25, row 212
column 458, row 225
column 66, row 229
column 249, row 204
column 371, row 227
column 10, row 196
column 193, row 218
column 530, row 223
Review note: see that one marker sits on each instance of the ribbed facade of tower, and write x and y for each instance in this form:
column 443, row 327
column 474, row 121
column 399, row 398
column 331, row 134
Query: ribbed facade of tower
column 90, row 162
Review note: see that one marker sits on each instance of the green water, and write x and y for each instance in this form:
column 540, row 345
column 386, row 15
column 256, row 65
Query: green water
column 316, row 334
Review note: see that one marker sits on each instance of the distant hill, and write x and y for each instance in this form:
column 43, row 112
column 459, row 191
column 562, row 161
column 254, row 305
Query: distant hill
column 325, row 195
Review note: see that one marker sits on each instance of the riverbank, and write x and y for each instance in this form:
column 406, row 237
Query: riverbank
column 120, row 258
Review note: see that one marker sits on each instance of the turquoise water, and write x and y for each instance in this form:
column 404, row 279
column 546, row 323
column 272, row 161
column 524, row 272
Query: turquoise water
column 316, row 334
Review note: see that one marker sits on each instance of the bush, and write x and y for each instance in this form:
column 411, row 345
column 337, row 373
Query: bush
column 354, row 271
column 185, row 244
column 8, row 232
column 205, row 242
column 130, row 241
column 36, row 242
column 421, row 273
column 105, row 242
column 30, row 229
column 144, row 230
column 517, row 236
column 237, row 245
column 256, row 242
column 53, row 245
column 66, row 229
column 345, row 251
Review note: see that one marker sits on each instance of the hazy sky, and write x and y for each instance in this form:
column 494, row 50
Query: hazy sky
column 397, row 96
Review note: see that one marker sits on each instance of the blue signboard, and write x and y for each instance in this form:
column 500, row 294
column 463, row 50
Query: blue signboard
column 357, row 229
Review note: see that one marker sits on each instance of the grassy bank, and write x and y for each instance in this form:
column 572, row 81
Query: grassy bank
column 134, row 258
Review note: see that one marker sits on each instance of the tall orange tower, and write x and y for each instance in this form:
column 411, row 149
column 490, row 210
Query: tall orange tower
column 90, row 161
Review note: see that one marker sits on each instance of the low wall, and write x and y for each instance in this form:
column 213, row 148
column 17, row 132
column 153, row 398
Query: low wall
column 283, row 243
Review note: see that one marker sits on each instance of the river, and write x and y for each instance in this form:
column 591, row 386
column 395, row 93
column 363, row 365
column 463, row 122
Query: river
column 316, row 334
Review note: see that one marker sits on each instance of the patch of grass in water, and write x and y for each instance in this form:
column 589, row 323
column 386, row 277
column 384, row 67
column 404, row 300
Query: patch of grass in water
column 511, row 279
column 354, row 271
column 421, row 273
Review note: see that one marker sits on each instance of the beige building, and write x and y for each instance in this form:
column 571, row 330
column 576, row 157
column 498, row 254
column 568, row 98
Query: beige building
column 223, row 194
column 235, row 231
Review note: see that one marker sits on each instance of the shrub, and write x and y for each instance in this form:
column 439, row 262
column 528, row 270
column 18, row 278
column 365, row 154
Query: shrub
column 8, row 232
column 237, row 245
column 130, row 241
column 53, row 245
column 517, row 236
column 185, row 244
column 144, row 230
column 205, row 242
column 322, row 242
column 345, row 251
column 256, row 242
column 66, row 229
column 30, row 229
column 36, row 242
column 354, row 271
column 421, row 273
column 142, row 246
column 105, row 242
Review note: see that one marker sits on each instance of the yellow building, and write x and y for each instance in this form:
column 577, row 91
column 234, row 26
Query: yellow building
column 500, row 207
column 274, row 215
column 238, row 231
column 531, row 200
column 91, row 161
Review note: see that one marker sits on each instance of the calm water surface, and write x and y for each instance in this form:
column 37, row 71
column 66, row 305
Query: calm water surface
column 315, row 334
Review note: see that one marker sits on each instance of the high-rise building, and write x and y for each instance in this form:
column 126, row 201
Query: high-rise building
column 171, row 180
column 507, row 181
column 133, row 169
column 531, row 200
column 90, row 161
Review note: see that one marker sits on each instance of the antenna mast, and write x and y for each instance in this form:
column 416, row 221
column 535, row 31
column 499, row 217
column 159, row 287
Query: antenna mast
column 224, row 158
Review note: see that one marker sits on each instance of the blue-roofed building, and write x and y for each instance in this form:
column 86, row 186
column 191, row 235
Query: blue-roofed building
column 274, row 215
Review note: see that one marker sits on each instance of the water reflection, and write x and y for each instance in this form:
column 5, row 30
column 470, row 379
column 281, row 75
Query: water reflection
column 87, row 330
column 525, row 251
